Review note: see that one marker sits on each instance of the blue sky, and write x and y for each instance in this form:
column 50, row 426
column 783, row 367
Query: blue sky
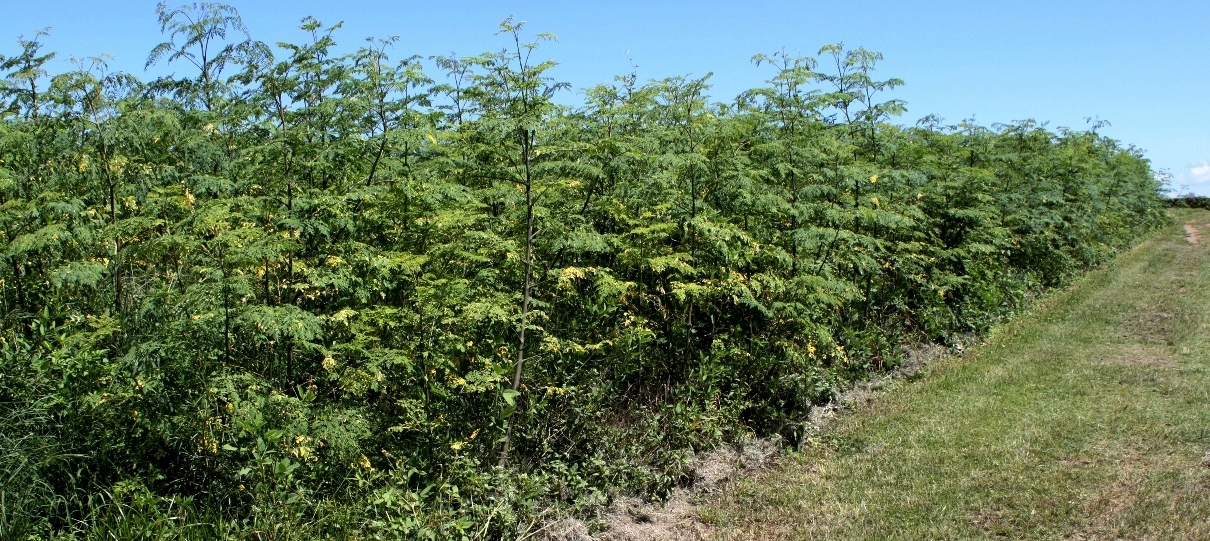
column 1141, row 66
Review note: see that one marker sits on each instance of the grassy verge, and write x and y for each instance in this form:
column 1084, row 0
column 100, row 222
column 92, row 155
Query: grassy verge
column 1089, row 419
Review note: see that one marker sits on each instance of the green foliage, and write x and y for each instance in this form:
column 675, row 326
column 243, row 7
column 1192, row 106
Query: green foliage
column 319, row 295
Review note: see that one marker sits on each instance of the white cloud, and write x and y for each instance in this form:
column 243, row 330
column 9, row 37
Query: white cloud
column 1195, row 178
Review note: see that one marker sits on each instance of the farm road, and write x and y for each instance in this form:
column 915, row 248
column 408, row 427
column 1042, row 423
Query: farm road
column 1087, row 418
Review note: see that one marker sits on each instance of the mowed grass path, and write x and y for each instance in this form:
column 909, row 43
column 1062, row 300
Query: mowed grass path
column 1088, row 418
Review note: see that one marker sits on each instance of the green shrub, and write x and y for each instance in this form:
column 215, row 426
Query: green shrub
column 304, row 295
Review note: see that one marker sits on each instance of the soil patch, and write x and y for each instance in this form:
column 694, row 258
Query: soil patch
column 1192, row 234
column 631, row 519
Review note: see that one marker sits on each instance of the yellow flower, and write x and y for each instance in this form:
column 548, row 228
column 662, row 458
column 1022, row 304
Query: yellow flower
column 303, row 451
column 873, row 179
column 208, row 443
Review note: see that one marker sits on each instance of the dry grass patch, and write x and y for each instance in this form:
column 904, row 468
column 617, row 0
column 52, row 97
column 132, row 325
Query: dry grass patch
column 1149, row 495
column 1140, row 355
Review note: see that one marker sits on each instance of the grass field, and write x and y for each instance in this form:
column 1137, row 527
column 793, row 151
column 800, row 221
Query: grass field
column 1088, row 418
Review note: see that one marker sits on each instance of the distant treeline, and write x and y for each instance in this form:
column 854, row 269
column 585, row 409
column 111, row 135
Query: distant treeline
column 296, row 294
column 1189, row 201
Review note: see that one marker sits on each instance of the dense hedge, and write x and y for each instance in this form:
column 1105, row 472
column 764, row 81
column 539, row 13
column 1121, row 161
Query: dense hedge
column 299, row 294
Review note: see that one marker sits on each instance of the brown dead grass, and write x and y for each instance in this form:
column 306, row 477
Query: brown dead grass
column 1139, row 490
column 1141, row 355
